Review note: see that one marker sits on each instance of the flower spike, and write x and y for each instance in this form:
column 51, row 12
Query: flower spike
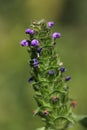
column 49, row 79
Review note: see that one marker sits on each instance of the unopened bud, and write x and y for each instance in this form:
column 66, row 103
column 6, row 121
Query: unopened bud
column 54, row 98
column 45, row 112
column 73, row 103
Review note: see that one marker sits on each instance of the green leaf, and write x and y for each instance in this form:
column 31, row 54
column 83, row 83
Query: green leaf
column 42, row 128
column 84, row 122
column 66, row 118
column 81, row 119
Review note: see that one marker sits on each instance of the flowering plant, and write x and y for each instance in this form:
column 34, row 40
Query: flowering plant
column 48, row 78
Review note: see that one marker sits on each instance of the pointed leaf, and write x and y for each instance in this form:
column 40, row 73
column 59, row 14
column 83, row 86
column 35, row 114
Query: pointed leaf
column 81, row 119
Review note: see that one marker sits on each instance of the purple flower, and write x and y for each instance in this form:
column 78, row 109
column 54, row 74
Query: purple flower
column 56, row 35
column 34, row 42
column 62, row 69
column 39, row 50
column 35, row 62
column 51, row 72
column 29, row 31
column 50, row 24
column 24, row 43
column 67, row 78
column 30, row 79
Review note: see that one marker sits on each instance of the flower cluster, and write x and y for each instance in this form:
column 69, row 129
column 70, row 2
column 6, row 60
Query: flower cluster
column 48, row 76
column 35, row 42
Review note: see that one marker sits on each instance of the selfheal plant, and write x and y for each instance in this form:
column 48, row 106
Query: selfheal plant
column 48, row 78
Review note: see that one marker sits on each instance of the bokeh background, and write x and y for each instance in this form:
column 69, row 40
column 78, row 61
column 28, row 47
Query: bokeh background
column 16, row 94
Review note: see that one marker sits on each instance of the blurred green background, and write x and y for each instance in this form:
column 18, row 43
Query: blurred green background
column 16, row 94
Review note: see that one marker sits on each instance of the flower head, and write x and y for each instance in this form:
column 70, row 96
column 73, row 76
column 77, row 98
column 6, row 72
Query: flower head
column 34, row 42
column 67, row 78
column 56, row 35
column 35, row 62
column 62, row 69
column 50, row 24
column 29, row 31
column 24, row 43
column 51, row 72
column 30, row 79
column 39, row 50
